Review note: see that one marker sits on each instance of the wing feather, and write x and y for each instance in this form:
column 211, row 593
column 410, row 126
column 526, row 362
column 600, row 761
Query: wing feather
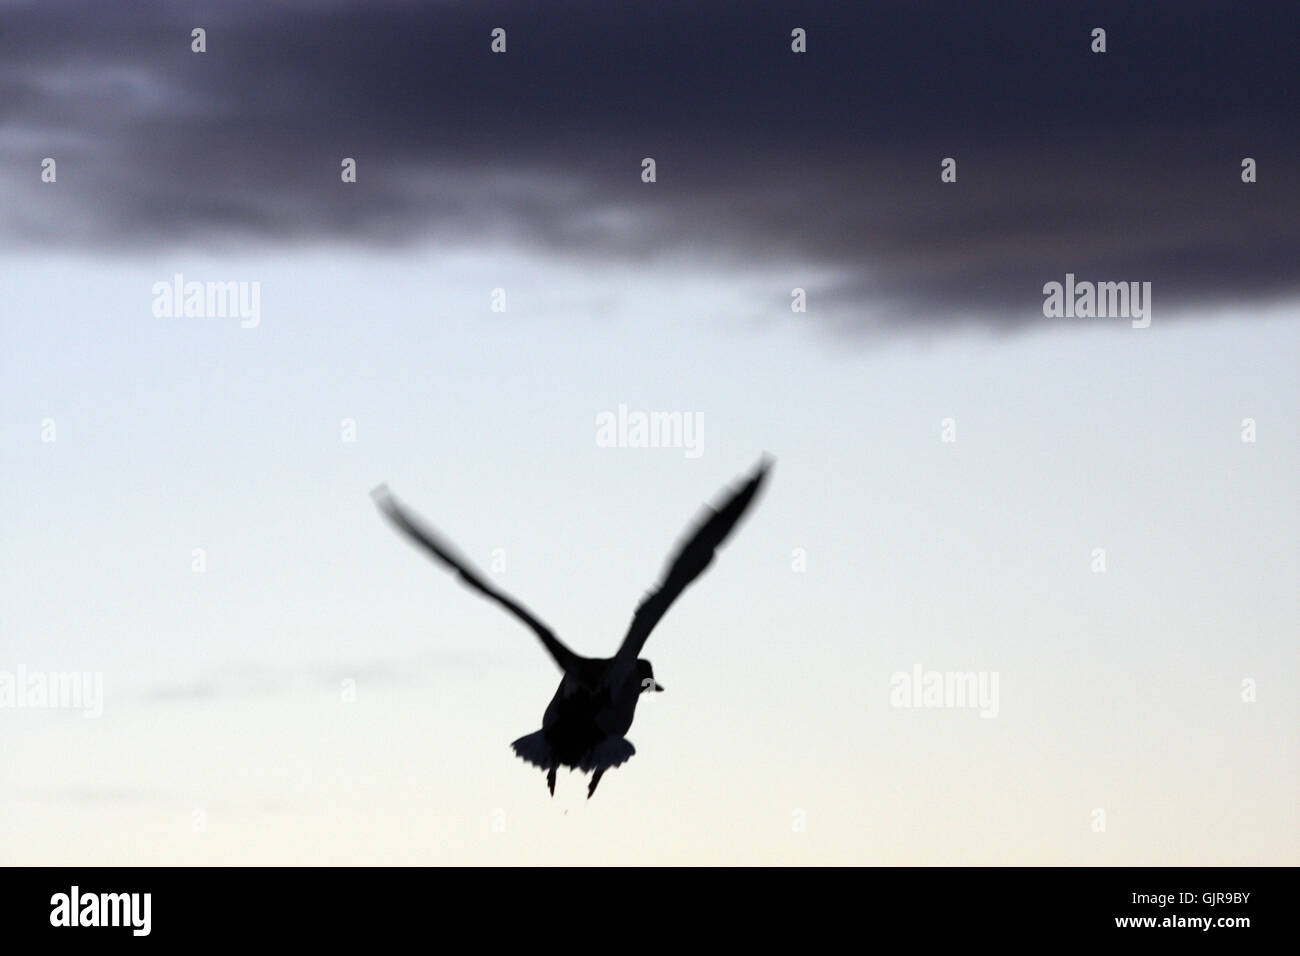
column 693, row 556
column 439, row 548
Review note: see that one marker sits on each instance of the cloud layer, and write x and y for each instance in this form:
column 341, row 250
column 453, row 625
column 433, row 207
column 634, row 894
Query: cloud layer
column 1119, row 166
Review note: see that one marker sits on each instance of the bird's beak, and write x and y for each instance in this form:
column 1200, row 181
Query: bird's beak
column 658, row 687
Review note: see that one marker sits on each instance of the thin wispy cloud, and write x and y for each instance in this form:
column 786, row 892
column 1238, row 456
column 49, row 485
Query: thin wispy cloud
column 258, row 680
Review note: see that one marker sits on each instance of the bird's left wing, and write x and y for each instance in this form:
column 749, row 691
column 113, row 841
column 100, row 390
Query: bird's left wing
column 432, row 542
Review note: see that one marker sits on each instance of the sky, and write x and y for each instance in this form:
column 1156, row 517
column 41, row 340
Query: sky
column 287, row 681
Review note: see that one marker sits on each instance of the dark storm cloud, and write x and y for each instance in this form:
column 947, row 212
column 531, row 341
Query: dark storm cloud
column 1122, row 166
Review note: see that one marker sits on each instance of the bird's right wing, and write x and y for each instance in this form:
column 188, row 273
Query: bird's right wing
column 429, row 539
column 693, row 556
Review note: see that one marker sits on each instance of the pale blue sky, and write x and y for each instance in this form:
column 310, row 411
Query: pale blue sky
column 1119, row 691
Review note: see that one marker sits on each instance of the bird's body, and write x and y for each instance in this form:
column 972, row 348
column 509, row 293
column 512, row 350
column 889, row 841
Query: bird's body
column 586, row 722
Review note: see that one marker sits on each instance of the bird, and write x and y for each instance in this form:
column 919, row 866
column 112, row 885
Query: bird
column 585, row 725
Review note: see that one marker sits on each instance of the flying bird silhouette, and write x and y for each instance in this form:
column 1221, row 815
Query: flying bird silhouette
column 585, row 722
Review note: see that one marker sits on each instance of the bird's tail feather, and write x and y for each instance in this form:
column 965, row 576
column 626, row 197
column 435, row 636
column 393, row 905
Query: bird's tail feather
column 534, row 749
column 610, row 752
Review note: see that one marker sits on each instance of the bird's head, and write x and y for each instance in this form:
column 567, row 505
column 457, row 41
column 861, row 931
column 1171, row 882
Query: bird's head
column 646, row 674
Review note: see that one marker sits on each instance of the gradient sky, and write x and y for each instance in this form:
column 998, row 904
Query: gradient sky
column 1119, row 691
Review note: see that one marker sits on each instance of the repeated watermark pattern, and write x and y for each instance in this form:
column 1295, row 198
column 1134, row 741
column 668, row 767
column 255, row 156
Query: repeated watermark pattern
column 1101, row 300
column 208, row 300
column 952, row 690
column 53, row 690
column 656, row 429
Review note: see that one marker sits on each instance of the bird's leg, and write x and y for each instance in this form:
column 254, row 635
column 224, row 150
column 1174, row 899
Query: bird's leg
column 595, row 779
column 550, row 779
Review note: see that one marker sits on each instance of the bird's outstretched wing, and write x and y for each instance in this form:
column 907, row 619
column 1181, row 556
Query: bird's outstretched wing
column 694, row 554
column 429, row 539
